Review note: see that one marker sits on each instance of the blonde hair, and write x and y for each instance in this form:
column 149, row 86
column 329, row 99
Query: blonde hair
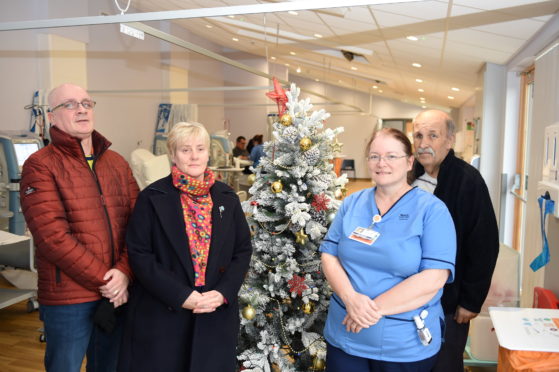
column 184, row 130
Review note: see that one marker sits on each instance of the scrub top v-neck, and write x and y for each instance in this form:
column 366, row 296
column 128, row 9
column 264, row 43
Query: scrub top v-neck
column 416, row 233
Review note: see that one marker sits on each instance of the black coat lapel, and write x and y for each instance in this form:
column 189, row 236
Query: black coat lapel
column 222, row 212
column 169, row 211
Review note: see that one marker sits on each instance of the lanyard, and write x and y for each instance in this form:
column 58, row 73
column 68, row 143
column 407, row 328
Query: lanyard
column 546, row 207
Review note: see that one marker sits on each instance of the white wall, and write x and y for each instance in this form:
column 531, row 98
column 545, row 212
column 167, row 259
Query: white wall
column 546, row 112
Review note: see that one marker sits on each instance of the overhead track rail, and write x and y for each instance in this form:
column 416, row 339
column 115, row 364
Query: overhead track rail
column 192, row 13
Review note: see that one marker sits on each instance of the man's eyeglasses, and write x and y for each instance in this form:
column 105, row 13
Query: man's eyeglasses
column 387, row 158
column 74, row 105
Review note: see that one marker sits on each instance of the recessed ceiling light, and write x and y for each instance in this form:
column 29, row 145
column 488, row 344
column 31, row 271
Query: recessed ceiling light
column 422, row 98
column 292, row 53
column 287, row 65
column 209, row 26
column 450, row 97
column 231, row 16
column 419, row 80
column 292, row 12
column 455, row 89
column 273, row 58
column 318, row 35
column 317, row 80
column 380, row 90
column 412, row 38
column 423, row 107
column 415, row 64
column 421, row 90
column 354, row 68
column 234, row 39
column 298, row 70
column 340, row 81
column 375, row 87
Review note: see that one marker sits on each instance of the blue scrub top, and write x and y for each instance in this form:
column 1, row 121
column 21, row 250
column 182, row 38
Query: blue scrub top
column 417, row 233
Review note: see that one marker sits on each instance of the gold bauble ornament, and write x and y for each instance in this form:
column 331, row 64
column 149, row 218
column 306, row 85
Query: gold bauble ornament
column 276, row 186
column 338, row 194
column 249, row 312
column 305, row 143
column 308, row 308
column 251, row 178
column 344, row 191
column 301, row 237
column 286, row 120
column 318, row 364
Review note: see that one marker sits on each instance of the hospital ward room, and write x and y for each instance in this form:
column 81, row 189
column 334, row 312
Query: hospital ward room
column 279, row 186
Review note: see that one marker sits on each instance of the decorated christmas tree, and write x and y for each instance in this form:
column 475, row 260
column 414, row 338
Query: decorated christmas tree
column 295, row 196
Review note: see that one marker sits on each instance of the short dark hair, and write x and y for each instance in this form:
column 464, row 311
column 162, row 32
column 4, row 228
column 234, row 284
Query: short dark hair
column 240, row 138
column 394, row 133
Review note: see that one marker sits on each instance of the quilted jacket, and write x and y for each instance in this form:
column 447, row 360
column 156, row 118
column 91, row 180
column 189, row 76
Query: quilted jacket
column 77, row 216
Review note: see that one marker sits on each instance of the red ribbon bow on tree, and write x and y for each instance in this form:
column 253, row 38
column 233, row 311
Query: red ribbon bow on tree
column 278, row 95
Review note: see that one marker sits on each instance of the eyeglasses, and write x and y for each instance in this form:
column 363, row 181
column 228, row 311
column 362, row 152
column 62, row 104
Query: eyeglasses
column 72, row 104
column 387, row 158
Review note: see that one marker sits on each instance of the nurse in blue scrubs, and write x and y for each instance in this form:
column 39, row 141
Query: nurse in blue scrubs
column 387, row 256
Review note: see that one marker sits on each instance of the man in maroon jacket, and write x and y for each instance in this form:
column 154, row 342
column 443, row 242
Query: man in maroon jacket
column 76, row 196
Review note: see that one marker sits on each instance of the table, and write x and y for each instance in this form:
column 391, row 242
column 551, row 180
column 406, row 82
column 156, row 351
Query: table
column 528, row 338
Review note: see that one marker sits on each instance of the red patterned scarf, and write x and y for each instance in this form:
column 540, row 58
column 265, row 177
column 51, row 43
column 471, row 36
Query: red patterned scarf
column 197, row 210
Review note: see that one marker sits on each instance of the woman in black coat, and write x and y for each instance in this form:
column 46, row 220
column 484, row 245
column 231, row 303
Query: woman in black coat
column 189, row 248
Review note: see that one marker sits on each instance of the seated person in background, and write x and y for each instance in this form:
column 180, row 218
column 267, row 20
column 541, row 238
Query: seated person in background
column 258, row 150
column 240, row 150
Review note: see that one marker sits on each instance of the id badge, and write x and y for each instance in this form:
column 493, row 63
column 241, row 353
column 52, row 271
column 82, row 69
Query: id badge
column 364, row 235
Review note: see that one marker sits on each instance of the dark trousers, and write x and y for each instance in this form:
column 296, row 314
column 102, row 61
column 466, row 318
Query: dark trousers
column 451, row 355
column 339, row 361
column 71, row 335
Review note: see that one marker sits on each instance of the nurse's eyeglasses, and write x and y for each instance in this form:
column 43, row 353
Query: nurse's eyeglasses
column 387, row 158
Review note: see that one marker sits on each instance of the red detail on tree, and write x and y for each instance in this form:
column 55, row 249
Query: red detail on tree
column 297, row 284
column 278, row 95
column 320, row 202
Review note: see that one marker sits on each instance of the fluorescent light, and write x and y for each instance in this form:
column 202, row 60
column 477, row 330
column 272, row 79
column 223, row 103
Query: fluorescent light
column 354, row 68
column 421, row 90
column 450, row 97
column 292, row 53
column 318, row 35
column 231, row 16
column 375, row 87
column 292, row 12
column 419, row 80
column 412, row 38
column 455, row 89
column 415, row 64
column 234, row 39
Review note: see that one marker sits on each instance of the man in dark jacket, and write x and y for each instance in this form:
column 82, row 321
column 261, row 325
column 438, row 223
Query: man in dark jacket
column 461, row 187
column 76, row 196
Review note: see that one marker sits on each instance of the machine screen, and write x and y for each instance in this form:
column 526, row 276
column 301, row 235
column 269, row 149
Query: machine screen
column 23, row 150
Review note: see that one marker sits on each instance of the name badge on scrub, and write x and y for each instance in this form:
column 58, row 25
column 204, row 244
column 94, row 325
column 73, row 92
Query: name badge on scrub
column 364, row 235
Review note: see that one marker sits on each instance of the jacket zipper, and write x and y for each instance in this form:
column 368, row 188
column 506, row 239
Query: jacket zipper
column 102, row 197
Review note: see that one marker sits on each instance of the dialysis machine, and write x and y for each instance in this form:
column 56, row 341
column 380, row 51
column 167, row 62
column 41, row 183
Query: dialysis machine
column 15, row 148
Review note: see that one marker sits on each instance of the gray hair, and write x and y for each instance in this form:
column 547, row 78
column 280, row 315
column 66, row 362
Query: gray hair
column 184, row 130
